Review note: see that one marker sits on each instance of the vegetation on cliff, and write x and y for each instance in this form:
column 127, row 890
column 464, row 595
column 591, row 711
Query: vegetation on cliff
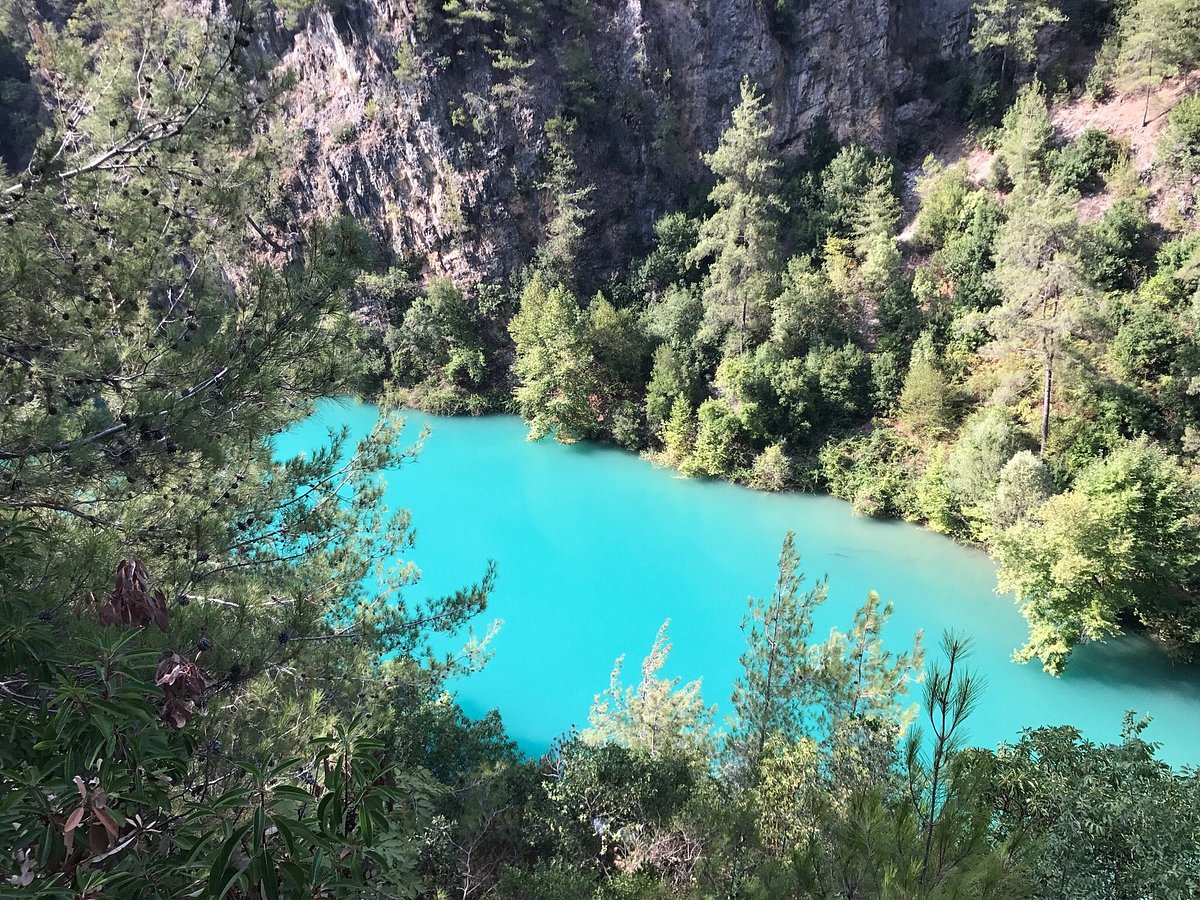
column 213, row 683
column 786, row 333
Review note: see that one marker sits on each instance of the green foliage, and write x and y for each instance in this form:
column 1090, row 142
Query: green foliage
column 201, row 728
column 808, row 312
column 679, row 433
column 567, row 220
column 1155, row 39
column 1027, row 138
column 968, row 254
column 620, row 350
column 840, row 381
column 1081, row 165
column 1123, row 538
column 1024, row 485
column 1113, row 250
column 1178, row 151
column 1043, row 285
column 771, row 470
column 676, row 234
column 18, row 97
column 770, row 697
column 926, row 398
column 668, row 383
column 772, row 395
column 943, row 194
column 554, row 363
column 720, row 450
column 844, row 182
column 437, row 355
column 875, row 472
column 988, row 440
column 658, row 717
column 1110, row 819
column 740, row 239
column 296, row 11
column 1012, row 28
column 1147, row 343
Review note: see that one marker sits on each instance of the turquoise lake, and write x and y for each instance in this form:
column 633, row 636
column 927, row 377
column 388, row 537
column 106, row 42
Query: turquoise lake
column 595, row 547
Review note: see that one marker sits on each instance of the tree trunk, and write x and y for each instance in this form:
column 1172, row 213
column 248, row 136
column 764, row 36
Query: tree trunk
column 1046, row 389
column 1149, row 85
column 742, row 334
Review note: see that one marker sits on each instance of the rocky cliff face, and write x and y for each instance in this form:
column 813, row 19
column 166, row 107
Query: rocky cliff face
column 431, row 129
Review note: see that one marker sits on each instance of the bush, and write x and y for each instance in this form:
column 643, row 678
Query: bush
column 1113, row 249
column 988, row 441
column 1147, row 343
column 875, row 473
column 772, row 470
column 933, row 498
column 344, row 134
column 1082, row 164
column 720, row 442
column 1024, row 485
column 841, row 379
column 943, row 194
column 1178, row 153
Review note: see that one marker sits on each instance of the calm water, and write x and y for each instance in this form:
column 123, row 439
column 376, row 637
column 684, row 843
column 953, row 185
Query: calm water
column 596, row 548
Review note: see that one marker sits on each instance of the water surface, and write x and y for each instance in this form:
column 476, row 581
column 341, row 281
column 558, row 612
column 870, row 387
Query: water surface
column 596, row 547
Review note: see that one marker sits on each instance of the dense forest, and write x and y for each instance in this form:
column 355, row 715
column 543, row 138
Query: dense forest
column 216, row 679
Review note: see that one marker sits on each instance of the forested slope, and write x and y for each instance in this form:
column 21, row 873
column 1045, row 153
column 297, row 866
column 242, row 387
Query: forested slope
column 999, row 342
column 217, row 681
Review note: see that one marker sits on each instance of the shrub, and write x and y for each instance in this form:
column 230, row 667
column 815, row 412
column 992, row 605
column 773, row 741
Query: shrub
column 772, row 470
column 1113, row 249
column 720, row 442
column 1147, row 343
column 1024, row 485
column 1081, row 165
column 988, row 441
column 943, row 194
column 345, row 133
column 1178, row 153
column 841, row 380
column 875, row 473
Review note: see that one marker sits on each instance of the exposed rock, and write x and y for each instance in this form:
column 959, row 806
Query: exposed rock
column 409, row 126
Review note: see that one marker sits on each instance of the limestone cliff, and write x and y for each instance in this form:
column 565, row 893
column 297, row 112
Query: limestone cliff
column 431, row 130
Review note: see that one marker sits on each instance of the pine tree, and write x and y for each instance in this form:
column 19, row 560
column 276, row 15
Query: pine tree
column 777, row 684
column 741, row 238
column 1011, row 27
column 926, row 399
column 1157, row 38
column 658, row 717
column 557, row 390
column 1026, row 139
column 567, row 222
column 1039, row 273
column 162, row 321
column 679, row 433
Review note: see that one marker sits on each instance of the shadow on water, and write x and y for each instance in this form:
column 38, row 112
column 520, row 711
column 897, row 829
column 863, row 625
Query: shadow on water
column 1134, row 659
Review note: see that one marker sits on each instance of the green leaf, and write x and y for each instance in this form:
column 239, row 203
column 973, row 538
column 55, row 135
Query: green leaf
column 270, row 878
column 290, row 792
column 259, row 828
column 220, row 877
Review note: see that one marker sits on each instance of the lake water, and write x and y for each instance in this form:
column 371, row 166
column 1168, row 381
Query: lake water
column 596, row 547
